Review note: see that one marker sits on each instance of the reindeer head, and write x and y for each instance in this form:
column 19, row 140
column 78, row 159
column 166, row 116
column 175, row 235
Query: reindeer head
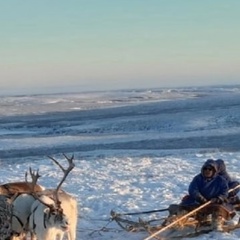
column 54, row 215
column 48, row 204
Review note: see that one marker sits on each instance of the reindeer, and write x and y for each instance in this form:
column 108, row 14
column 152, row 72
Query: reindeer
column 21, row 205
column 54, row 212
column 12, row 188
column 69, row 206
column 31, row 194
column 19, row 194
column 47, row 219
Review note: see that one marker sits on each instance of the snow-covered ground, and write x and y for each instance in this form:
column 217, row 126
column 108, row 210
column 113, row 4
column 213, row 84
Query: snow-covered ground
column 134, row 150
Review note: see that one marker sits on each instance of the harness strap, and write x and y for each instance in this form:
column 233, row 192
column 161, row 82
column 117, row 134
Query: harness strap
column 6, row 188
column 44, row 220
column 34, row 224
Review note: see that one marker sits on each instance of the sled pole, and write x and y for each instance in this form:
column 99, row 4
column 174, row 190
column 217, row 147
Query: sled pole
column 231, row 190
column 178, row 220
column 187, row 215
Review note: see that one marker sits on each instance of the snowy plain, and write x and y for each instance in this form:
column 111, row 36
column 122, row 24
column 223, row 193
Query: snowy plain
column 134, row 150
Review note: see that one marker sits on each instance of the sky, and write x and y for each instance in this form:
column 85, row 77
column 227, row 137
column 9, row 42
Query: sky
column 80, row 45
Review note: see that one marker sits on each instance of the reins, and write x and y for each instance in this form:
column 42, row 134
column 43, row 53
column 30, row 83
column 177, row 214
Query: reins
column 145, row 212
column 184, row 216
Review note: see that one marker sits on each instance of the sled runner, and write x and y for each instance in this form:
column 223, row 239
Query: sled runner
column 181, row 222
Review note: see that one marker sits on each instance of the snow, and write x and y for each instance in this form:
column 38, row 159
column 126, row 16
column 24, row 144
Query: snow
column 134, row 150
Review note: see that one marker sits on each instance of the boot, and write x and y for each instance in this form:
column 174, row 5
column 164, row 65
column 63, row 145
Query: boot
column 217, row 223
column 204, row 218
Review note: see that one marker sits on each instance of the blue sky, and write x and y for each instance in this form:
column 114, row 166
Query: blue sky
column 111, row 44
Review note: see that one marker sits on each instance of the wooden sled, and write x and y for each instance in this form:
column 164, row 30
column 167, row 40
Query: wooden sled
column 191, row 226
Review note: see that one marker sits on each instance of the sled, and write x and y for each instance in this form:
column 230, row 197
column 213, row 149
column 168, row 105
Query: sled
column 180, row 222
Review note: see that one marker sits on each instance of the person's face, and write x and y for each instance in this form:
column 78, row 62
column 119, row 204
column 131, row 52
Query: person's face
column 208, row 171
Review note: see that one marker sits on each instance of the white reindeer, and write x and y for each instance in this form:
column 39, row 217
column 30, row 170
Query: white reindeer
column 46, row 219
column 22, row 211
column 21, row 198
column 12, row 191
column 20, row 215
column 54, row 212
column 69, row 206
column 55, row 200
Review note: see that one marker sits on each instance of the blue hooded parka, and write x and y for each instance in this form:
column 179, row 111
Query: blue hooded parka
column 209, row 188
column 221, row 167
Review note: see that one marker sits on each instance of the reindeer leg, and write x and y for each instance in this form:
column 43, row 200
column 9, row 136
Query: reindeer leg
column 32, row 236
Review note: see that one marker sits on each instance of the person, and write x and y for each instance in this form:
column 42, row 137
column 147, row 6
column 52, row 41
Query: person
column 222, row 171
column 232, row 184
column 207, row 186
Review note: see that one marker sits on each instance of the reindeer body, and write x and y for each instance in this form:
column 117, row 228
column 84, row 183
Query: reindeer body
column 21, row 205
column 70, row 208
column 21, row 212
column 19, row 187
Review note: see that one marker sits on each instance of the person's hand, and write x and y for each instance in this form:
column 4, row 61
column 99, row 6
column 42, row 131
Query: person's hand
column 201, row 199
column 218, row 200
column 232, row 194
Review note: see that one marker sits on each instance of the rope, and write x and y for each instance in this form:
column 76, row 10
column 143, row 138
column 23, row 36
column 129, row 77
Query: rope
column 145, row 212
column 187, row 215
column 102, row 229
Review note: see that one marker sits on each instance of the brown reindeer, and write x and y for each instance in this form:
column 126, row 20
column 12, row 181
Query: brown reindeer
column 21, row 205
column 12, row 188
column 17, row 217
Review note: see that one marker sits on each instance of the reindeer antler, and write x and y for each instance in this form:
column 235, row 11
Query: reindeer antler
column 71, row 165
column 34, row 175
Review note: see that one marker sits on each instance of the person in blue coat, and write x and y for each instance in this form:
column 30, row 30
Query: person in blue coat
column 206, row 186
column 222, row 171
column 232, row 184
